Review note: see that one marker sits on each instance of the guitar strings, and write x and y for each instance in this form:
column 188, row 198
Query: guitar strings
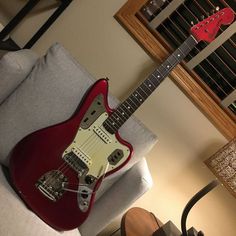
column 64, row 167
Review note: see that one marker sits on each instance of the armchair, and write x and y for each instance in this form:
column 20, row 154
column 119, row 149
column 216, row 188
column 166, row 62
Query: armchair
column 38, row 92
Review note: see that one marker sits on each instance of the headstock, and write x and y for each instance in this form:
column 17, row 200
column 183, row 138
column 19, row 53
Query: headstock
column 207, row 29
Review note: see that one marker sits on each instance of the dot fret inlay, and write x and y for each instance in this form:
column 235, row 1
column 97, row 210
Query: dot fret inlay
column 130, row 105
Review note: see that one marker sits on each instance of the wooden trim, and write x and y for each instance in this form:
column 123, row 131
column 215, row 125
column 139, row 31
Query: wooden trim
column 127, row 17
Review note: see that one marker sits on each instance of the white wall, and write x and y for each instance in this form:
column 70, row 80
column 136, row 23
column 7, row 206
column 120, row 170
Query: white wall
column 186, row 138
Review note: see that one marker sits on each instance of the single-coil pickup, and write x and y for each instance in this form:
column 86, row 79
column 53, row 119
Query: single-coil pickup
column 82, row 156
column 101, row 134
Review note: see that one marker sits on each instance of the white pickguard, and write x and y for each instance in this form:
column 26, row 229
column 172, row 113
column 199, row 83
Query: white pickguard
column 95, row 144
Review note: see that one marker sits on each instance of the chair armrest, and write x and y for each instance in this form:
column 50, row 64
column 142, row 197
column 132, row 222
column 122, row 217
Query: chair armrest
column 132, row 185
column 14, row 68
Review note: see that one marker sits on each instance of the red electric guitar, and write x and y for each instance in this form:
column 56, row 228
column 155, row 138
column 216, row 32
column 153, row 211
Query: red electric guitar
column 58, row 169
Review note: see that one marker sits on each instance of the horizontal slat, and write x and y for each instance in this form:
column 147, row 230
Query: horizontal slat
column 165, row 13
column 229, row 99
column 224, row 69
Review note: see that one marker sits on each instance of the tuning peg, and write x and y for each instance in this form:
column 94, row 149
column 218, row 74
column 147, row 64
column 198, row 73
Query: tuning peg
column 192, row 23
column 217, row 8
column 202, row 17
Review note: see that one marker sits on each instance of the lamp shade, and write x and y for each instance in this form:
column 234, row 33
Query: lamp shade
column 223, row 165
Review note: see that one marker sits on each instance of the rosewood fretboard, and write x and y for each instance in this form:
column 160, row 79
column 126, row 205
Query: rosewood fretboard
column 145, row 89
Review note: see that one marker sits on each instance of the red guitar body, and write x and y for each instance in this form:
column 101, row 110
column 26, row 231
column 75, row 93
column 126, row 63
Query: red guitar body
column 42, row 151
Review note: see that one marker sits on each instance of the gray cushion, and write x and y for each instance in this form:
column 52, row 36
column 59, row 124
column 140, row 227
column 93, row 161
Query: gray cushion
column 50, row 95
column 14, row 67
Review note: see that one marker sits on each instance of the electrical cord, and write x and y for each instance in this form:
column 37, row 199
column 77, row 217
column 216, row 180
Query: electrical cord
column 193, row 201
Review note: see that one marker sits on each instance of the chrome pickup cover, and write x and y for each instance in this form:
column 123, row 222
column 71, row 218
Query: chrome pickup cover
column 77, row 161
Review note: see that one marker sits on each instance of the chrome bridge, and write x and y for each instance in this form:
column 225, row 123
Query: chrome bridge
column 52, row 184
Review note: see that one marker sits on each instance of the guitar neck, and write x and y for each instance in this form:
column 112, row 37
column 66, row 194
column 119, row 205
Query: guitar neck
column 145, row 89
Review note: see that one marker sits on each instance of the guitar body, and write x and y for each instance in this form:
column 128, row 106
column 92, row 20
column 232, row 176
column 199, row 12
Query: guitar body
column 58, row 169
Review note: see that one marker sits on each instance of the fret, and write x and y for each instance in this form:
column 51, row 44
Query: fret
column 153, row 80
column 108, row 127
column 185, row 42
column 132, row 103
column 145, row 84
column 151, row 86
column 138, row 98
column 127, row 107
column 139, row 92
column 168, row 67
column 117, row 118
column 113, row 123
column 175, row 55
column 157, row 75
column 122, row 113
column 184, row 51
column 163, row 70
column 173, row 60
column 143, row 89
column 180, row 53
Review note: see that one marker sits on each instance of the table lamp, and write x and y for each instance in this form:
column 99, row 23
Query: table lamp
column 223, row 165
